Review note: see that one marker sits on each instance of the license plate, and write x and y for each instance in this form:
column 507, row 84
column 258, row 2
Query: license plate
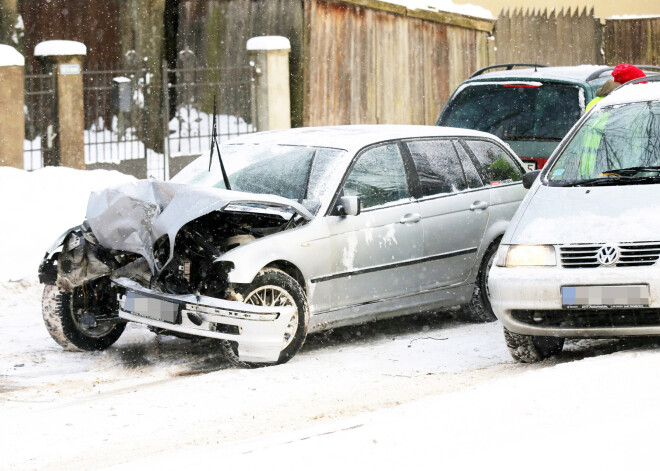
column 153, row 308
column 531, row 166
column 605, row 297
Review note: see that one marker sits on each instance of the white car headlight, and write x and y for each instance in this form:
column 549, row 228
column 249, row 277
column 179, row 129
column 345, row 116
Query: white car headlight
column 526, row 256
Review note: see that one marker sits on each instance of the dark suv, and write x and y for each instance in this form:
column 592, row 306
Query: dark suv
column 530, row 108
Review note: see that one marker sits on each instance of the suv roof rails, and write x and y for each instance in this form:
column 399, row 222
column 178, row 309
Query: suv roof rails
column 599, row 72
column 508, row 67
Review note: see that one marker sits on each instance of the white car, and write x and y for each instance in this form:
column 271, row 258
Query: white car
column 580, row 257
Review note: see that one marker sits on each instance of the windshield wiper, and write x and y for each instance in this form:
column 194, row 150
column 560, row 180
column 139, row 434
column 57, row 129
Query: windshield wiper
column 214, row 140
column 622, row 180
column 633, row 170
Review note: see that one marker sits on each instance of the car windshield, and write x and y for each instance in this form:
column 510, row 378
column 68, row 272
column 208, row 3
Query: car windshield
column 299, row 173
column 615, row 145
column 516, row 111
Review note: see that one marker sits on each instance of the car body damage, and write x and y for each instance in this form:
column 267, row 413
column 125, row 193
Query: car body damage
column 322, row 227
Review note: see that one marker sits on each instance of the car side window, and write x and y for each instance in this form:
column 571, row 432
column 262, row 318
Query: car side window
column 378, row 177
column 438, row 167
column 471, row 174
column 496, row 164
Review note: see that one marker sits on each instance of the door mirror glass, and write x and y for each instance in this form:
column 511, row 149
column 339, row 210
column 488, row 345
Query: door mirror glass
column 349, row 206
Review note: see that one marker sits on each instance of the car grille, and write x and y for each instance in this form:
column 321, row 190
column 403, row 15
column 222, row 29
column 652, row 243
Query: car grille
column 632, row 255
column 585, row 318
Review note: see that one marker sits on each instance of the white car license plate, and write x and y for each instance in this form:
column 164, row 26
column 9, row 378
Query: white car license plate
column 153, row 308
column 531, row 166
column 605, row 297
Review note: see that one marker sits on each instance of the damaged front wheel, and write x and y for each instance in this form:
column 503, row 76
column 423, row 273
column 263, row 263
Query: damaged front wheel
column 273, row 287
column 69, row 330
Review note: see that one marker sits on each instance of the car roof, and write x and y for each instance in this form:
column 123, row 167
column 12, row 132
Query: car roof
column 353, row 137
column 637, row 92
column 576, row 73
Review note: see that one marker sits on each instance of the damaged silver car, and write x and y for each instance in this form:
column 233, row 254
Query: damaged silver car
column 290, row 232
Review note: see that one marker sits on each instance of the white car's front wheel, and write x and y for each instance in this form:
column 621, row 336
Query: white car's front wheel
column 532, row 348
column 273, row 287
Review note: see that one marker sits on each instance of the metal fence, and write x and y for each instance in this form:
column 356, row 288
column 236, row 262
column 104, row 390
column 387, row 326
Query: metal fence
column 40, row 130
column 190, row 91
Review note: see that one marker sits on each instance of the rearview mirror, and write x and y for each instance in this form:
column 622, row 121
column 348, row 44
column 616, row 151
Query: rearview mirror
column 529, row 177
column 349, row 205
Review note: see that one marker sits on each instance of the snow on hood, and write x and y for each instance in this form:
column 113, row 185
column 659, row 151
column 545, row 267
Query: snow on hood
column 572, row 215
column 131, row 217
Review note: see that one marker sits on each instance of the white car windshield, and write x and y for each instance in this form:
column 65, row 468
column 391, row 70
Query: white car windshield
column 299, row 173
column 617, row 145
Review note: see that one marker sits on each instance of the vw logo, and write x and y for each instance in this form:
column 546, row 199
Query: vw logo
column 607, row 255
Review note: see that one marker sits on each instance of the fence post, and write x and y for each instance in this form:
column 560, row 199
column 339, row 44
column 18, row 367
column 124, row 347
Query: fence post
column 12, row 96
column 65, row 58
column 270, row 56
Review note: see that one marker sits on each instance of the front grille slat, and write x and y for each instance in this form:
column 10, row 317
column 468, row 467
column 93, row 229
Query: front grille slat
column 631, row 255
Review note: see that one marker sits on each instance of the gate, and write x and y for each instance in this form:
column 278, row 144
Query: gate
column 40, row 120
column 189, row 96
column 115, row 121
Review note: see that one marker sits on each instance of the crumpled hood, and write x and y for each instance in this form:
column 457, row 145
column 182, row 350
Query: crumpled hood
column 557, row 215
column 131, row 217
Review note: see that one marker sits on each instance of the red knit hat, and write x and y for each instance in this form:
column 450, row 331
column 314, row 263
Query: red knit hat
column 623, row 73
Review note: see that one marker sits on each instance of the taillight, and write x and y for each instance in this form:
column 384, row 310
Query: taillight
column 519, row 85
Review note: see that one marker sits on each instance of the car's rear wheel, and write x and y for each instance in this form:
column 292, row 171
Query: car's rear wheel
column 64, row 324
column 273, row 287
column 532, row 348
column 479, row 308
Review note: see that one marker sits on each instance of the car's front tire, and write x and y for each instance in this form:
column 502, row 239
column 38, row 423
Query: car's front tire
column 273, row 287
column 66, row 329
column 532, row 348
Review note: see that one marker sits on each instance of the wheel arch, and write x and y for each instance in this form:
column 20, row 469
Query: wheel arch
column 290, row 269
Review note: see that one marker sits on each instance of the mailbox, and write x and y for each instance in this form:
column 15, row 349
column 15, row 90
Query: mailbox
column 121, row 95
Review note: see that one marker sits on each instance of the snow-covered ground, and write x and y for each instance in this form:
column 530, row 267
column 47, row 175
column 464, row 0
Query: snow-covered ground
column 419, row 392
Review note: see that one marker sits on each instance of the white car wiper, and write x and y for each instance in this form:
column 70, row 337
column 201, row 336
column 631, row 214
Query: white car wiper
column 614, row 180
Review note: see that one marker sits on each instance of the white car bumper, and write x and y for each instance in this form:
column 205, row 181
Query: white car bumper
column 529, row 301
column 258, row 330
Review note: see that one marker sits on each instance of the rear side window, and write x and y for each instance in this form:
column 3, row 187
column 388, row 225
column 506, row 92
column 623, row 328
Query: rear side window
column 496, row 165
column 438, row 167
column 511, row 111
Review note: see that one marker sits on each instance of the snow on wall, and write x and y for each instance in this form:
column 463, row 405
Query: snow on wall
column 445, row 5
column 60, row 48
column 10, row 56
column 267, row 43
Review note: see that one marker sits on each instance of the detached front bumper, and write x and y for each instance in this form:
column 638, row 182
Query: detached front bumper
column 258, row 330
column 536, row 292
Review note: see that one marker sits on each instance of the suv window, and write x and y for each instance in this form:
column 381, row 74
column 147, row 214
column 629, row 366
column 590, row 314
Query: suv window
column 520, row 110
column 438, row 167
column 496, row 164
column 378, row 177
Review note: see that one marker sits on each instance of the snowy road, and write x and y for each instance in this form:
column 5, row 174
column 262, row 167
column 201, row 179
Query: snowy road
column 150, row 396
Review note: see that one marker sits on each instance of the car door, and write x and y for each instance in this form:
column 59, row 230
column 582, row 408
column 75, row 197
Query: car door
column 372, row 254
column 454, row 207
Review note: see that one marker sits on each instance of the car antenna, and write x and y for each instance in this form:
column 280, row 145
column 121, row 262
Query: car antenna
column 214, row 145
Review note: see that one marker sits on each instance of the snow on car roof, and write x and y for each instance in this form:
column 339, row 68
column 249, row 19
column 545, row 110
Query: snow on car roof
column 632, row 93
column 353, row 137
column 577, row 72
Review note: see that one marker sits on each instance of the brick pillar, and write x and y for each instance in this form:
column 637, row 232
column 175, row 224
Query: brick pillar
column 65, row 58
column 270, row 56
column 12, row 121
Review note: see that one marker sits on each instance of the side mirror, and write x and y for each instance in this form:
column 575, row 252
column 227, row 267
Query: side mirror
column 529, row 178
column 349, row 205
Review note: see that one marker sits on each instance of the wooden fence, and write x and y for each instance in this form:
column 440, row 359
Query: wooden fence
column 635, row 41
column 575, row 38
column 544, row 37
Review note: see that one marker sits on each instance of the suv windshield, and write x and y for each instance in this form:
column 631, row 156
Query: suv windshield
column 516, row 110
column 299, row 173
column 615, row 145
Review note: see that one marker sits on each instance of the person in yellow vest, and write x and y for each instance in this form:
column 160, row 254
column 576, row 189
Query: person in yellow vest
column 621, row 74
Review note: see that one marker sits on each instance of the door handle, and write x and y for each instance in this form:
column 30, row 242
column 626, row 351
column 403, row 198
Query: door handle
column 410, row 218
column 478, row 205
